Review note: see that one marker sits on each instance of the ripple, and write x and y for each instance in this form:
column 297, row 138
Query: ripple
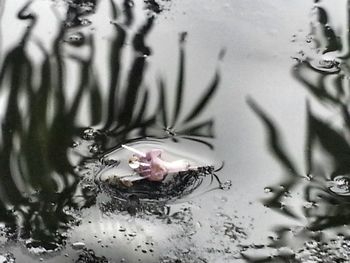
column 340, row 185
column 173, row 187
column 325, row 64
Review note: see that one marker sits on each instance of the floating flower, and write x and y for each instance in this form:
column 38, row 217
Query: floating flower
column 152, row 167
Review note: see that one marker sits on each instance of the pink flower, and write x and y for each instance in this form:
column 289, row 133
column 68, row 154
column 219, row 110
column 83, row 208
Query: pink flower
column 151, row 166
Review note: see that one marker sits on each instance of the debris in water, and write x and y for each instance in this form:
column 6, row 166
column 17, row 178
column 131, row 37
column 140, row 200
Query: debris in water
column 7, row 258
column 226, row 185
column 156, row 6
column 88, row 255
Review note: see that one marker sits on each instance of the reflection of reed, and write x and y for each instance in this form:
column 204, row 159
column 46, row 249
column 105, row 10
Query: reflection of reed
column 38, row 183
column 127, row 110
column 328, row 85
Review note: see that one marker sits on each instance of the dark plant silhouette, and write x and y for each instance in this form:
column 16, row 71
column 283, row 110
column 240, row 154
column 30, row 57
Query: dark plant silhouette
column 38, row 181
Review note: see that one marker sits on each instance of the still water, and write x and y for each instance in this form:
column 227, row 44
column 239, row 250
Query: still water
column 253, row 95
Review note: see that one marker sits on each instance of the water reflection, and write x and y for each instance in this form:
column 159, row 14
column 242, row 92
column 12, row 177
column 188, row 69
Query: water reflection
column 37, row 182
column 41, row 130
column 318, row 196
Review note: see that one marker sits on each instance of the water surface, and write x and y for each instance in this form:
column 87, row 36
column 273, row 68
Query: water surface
column 261, row 86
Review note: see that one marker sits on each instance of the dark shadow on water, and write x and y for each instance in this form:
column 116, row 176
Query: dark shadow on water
column 39, row 187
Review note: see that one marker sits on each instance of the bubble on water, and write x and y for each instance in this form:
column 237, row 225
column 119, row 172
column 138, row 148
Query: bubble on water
column 340, row 185
column 130, row 3
column 95, row 148
column 308, row 39
column 38, row 247
column 85, row 22
column 325, row 64
column 268, row 190
column 144, row 194
column 78, row 245
column 89, row 134
column 309, row 205
column 76, row 39
column 134, row 162
column 75, row 144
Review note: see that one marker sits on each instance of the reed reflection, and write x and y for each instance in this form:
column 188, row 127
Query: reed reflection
column 39, row 187
column 324, row 184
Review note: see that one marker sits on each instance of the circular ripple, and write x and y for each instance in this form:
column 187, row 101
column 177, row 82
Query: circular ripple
column 174, row 187
column 340, row 185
